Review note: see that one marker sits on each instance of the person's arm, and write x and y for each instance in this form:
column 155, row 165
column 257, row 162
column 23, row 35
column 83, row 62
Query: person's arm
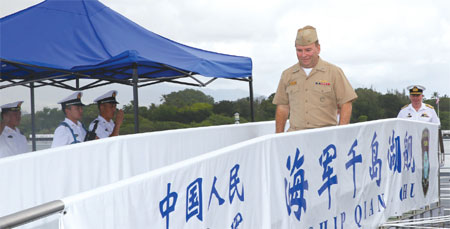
column 3, row 123
column 117, row 123
column 434, row 118
column 281, row 116
column 61, row 137
column 2, row 126
column 346, row 113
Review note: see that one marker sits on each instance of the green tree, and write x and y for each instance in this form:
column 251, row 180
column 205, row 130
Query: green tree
column 129, row 109
column 164, row 112
column 90, row 112
column 224, row 107
column 444, row 110
column 197, row 112
column 216, row 119
column 186, row 97
column 391, row 104
column 444, row 116
column 127, row 127
column 367, row 104
column 242, row 107
column 265, row 109
column 191, row 108
column 362, row 118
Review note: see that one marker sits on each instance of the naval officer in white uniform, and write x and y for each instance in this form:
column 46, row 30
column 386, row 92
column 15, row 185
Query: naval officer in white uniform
column 71, row 130
column 417, row 110
column 104, row 126
column 12, row 142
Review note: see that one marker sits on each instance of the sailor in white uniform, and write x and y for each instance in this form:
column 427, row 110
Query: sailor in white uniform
column 104, row 126
column 71, row 130
column 417, row 110
column 12, row 142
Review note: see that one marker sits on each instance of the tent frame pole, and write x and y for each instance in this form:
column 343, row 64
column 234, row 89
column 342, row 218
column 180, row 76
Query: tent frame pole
column 135, row 99
column 33, row 117
column 250, row 85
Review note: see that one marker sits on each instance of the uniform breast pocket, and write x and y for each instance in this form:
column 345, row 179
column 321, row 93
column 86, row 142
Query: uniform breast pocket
column 293, row 92
column 323, row 95
column 322, row 88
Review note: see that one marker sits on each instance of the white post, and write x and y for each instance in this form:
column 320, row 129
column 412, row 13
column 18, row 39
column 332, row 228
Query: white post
column 236, row 118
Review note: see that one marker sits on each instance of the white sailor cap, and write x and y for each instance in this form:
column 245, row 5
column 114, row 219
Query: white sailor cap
column 416, row 89
column 12, row 106
column 108, row 97
column 73, row 99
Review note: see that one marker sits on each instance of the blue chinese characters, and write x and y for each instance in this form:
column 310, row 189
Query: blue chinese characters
column 352, row 162
column 394, row 154
column 294, row 193
column 325, row 159
column 194, row 198
column 375, row 168
column 234, row 182
column 167, row 205
column 409, row 162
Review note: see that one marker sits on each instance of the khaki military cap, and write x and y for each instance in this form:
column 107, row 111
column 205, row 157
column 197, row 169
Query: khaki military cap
column 306, row 36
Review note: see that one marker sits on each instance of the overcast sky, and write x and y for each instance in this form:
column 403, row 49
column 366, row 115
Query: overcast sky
column 383, row 44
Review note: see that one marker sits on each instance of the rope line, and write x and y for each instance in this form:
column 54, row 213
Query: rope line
column 418, row 223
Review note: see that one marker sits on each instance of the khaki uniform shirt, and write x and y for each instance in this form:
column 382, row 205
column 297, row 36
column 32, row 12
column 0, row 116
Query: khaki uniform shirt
column 313, row 99
column 425, row 113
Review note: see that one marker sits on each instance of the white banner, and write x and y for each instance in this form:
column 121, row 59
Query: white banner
column 338, row 177
column 35, row 178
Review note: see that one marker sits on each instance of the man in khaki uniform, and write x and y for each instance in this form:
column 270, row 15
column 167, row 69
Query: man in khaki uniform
column 310, row 92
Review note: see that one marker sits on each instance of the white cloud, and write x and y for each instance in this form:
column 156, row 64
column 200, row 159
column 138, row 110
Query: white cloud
column 385, row 44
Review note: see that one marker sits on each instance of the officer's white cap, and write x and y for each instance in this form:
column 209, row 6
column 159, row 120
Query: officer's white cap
column 73, row 99
column 416, row 89
column 12, row 106
column 108, row 97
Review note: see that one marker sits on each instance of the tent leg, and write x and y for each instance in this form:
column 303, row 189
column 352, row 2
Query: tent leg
column 135, row 99
column 250, row 84
column 33, row 118
column 77, row 83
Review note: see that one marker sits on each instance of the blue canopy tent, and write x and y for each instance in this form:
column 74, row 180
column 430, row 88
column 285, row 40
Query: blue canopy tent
column 56, row 41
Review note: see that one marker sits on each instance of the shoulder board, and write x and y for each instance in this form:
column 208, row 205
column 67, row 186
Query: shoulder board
column 428, row 105
column 404, row 106
column 64, row 124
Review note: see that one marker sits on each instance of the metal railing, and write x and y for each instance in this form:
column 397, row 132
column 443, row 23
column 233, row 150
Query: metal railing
column 31, row 214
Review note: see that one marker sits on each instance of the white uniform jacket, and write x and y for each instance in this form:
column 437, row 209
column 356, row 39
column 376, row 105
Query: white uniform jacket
column 104, row 128
column 12, row 142
column 426, row 113
column 69, row 133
